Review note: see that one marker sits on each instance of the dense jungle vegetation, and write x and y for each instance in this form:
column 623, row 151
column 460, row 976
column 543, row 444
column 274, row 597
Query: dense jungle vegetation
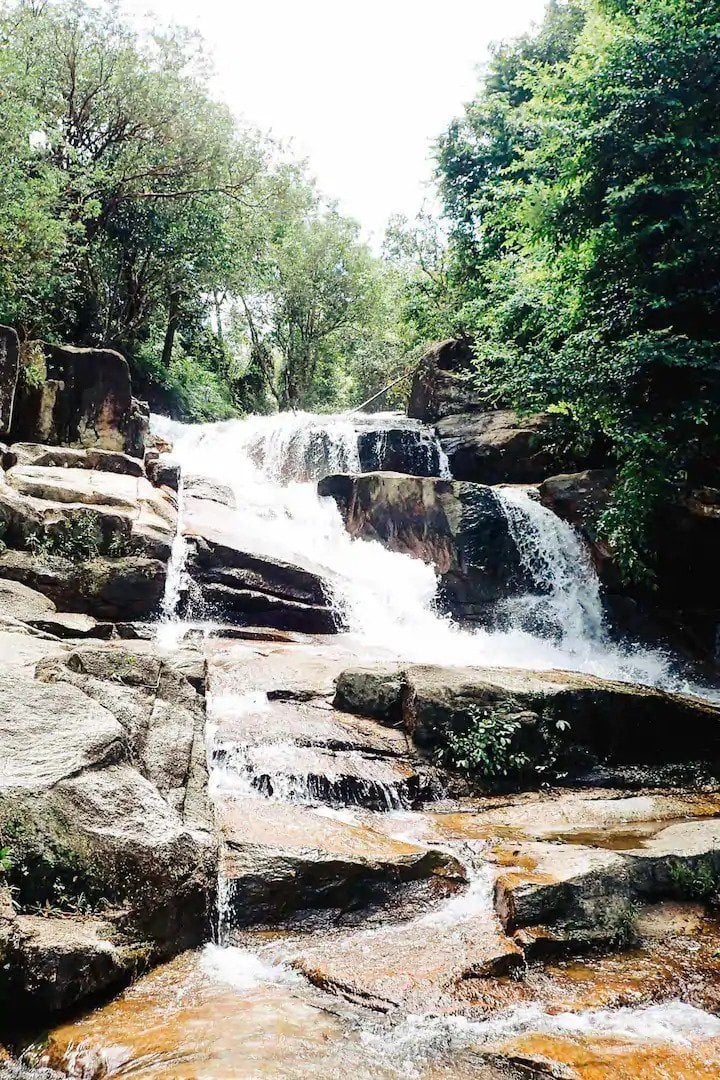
column 582, row 193
column 578, row 247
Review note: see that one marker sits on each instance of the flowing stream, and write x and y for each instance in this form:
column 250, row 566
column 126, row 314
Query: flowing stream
column 239, row 1009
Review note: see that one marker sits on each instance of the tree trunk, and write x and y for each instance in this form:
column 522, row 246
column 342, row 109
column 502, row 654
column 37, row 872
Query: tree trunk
column 173, row 315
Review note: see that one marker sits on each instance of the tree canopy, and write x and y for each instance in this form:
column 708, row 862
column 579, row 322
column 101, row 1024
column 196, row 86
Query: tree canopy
column 138, row 213
column 582, row 193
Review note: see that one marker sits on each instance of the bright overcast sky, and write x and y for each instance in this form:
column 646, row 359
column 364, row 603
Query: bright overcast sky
column 361, row 88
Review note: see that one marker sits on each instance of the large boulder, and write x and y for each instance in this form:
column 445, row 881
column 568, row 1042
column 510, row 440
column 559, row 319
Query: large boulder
column 442, row 383
column 125, row 588
column 460, row 528
column 9, row 368
column 78, row 397
column 495, row 447
column 579, row 720
column 244, row 587
column 103, row 804
column 85, row 511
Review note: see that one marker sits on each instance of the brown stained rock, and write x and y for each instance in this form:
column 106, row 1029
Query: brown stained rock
column 419, row 965
column 84, row 400
column 573, row 894
column 9, row 368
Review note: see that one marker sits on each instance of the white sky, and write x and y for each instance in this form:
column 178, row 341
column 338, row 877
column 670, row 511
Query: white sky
column 361, row 88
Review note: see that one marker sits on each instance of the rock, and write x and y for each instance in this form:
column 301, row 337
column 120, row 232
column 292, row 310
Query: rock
column 105, row 812
column 204, row 487
column 599, row 721
column 115, row 589
column 94, row 512
column 9, row 368
column 403, row 449
column 495, row 447
column 571, row 894
column 287, row 749
column 248, row 588
column 442, row 384
column 65, row 457
column 82, row 398
column 164, row 472
column 460, row 528
column 71, row 625
column 280, row 859
column 60, row 960
column 419, row 965
column 579, row 497
column 17, row 601
column 683, row 603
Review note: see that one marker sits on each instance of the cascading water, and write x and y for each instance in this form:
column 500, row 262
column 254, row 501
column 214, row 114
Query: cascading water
column 387, row 599
column 567, row 603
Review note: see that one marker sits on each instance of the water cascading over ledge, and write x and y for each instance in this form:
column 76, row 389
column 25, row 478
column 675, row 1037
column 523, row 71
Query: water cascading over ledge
column 549, row 615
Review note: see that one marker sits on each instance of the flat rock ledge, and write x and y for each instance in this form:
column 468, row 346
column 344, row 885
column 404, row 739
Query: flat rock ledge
column 592, row 722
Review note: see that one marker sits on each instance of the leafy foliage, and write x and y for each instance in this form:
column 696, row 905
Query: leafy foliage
column 137, row 213
column 699, row 882
column 582, row 191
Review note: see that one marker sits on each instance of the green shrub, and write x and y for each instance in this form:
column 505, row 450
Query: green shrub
column 699, row 881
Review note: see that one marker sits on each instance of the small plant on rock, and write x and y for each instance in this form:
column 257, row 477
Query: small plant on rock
column 699, row 881
column 5, row 860
column 76, row 538
column 488, row 748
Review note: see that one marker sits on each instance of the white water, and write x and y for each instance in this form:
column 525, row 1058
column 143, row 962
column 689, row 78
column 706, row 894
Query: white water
column 419, row 1039
column 386, row 599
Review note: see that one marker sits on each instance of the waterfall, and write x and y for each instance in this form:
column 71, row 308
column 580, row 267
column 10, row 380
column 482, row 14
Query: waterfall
column 568, row 604
column 387, row 600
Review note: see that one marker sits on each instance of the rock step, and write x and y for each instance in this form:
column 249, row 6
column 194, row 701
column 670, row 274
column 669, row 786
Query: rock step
column 419, row 965
column 279, row 859
column 301, row 751
column 576, row 894
column 587, row 720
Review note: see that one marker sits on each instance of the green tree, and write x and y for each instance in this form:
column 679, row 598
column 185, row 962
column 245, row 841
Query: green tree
column 583, row 191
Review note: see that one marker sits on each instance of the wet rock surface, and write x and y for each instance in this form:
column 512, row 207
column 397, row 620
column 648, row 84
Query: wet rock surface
column 461, row 529
column 236, row 585
column 106, row 816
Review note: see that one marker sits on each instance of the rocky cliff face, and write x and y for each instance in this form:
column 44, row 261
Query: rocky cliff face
column 77, row 397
